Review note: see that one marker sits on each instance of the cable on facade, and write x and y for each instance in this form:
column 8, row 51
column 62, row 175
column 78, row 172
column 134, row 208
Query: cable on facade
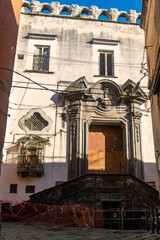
column 29, row 108
column 32, row 105
column 23, row 95
column 2, row 110
column 138, row 65
column 56, row 85
column 52, row 90
column 45, row 88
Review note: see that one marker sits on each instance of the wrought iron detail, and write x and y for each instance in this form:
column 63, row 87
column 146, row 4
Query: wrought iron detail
column 36, row 122
column 40, row 63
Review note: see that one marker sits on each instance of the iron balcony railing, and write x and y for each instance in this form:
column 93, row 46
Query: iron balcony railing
column 31, row 163
column 40, row 63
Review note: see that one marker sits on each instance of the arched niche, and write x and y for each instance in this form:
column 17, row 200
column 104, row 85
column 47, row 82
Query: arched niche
column 65, row 11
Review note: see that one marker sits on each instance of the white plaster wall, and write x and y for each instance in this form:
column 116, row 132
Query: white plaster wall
column 72, row 55
column 150, row 167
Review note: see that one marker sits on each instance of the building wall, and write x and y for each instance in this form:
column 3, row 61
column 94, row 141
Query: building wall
column 9, row 22
column 73, row 54
column 150, row 23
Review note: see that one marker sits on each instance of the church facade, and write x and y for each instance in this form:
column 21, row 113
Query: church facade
column 76, row 105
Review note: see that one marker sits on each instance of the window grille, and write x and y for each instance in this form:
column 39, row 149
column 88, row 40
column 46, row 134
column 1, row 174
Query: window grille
column 13, row 188
column 36, row 122
column 41, row 58
column 106, row 63
column 31, row 156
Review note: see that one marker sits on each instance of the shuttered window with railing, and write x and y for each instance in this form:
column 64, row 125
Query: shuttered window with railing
column 41, row 58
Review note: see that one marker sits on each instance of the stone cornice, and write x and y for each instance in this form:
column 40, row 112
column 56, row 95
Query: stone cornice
column 74, row 10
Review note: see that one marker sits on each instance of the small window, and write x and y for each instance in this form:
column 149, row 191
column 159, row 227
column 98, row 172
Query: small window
column 106, row 63
column 13, row 188
column 41, row 58
column 30, row 189
column 36, row 122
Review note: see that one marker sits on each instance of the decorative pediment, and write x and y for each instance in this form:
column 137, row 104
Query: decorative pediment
column 107, row 93
column 76, row 89
column 32, row 138
column 132, row 91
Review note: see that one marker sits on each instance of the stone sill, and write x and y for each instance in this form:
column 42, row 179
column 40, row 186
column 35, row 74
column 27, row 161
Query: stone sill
column 105, row 76
column 36, row 71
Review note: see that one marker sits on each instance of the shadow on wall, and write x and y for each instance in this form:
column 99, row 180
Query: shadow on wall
column 151, row 174
column 58, row 170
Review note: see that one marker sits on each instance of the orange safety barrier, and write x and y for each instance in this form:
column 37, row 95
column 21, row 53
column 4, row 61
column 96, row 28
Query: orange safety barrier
column 48, row 214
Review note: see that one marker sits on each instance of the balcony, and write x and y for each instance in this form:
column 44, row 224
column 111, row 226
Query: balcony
column 31, row 165
column 40, row 63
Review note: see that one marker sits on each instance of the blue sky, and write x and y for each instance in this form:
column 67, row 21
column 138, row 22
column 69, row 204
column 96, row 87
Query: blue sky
column 122, row 5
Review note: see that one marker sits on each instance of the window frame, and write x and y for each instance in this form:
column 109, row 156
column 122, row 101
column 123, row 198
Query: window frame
column 22, row 125
column 106, row 53
column 41, row 57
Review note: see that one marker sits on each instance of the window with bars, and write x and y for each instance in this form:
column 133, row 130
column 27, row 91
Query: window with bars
column 31, row 156
column 36, row 122
column 106, row 59
column 41, row 58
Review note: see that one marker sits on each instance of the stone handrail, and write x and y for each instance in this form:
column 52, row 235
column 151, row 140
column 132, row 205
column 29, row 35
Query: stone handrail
column 74, row 10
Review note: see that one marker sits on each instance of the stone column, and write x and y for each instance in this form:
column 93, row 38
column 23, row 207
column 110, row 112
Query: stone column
column 136, row 164
column 74, row 141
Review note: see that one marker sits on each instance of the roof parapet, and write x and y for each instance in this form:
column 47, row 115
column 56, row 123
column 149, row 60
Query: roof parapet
column 74, row 10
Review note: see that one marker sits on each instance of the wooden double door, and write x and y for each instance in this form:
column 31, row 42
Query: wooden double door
column 105, row 153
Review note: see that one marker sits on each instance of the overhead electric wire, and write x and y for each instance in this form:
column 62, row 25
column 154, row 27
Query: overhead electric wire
column 23, row 95
column 65, row 91
column 31, row 107
column 75, row 60
column 56, row 85
column 45, row 88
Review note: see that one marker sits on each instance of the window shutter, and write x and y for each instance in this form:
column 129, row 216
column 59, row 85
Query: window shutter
column 102, row 63
column 109, row 65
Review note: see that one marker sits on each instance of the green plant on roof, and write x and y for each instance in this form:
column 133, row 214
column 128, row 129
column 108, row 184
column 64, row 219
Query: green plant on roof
column 126, row 92
column 78, row 89
column 79, row 15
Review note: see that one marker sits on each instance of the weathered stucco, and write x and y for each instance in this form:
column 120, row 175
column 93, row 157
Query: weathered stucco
column 74, row 52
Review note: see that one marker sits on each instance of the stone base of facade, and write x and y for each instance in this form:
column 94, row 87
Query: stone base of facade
column 101, row 191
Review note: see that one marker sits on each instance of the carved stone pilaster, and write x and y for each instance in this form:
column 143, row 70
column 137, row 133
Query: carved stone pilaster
column 137, row 131
column 74, row 135
column 136, row 148
column 74, row 113
column 137, row 115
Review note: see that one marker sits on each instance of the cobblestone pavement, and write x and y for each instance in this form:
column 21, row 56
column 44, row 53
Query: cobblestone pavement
column 25, row 231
